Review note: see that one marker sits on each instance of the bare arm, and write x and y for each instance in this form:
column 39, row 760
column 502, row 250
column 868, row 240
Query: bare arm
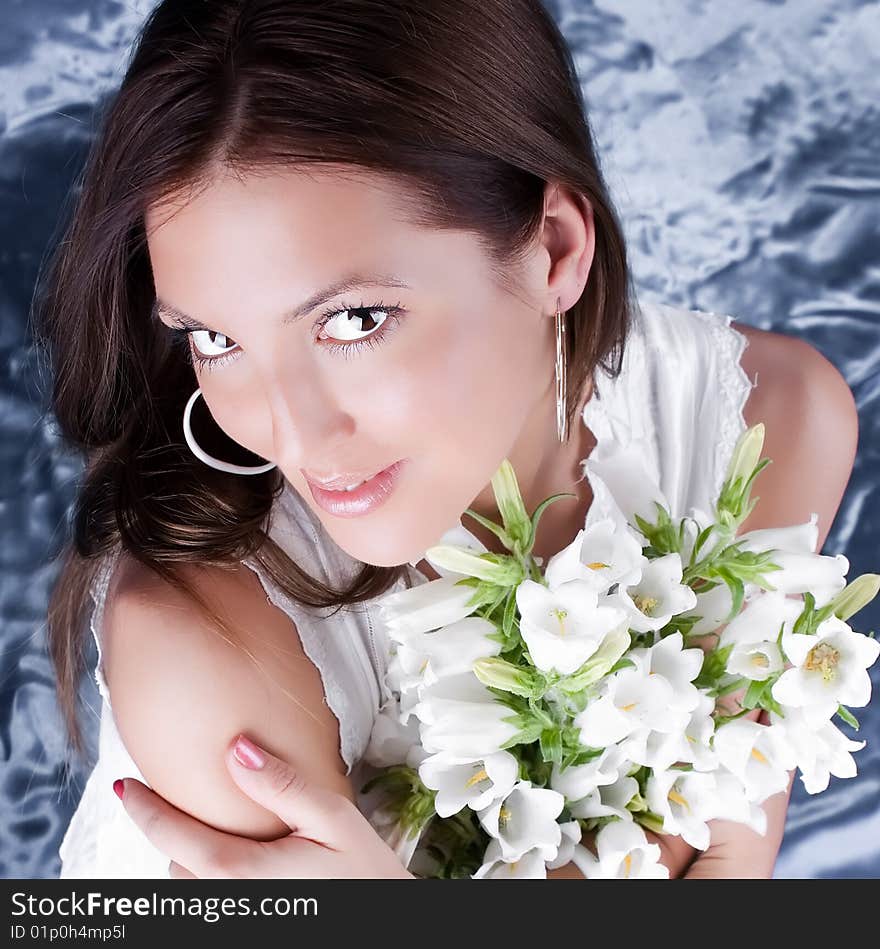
column 180, row 693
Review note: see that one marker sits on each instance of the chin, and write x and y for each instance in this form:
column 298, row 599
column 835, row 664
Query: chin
column 385, row 542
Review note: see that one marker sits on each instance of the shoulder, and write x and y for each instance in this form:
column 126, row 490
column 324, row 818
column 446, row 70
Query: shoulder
column 181, row 690
column 811, row 429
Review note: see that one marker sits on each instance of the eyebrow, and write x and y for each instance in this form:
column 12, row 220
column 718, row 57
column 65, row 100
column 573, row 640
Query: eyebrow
column 351, row 282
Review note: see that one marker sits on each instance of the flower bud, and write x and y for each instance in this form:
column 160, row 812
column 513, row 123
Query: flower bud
column 516, row 520
column 501, row 674
column 855, row 596
column 493, row 568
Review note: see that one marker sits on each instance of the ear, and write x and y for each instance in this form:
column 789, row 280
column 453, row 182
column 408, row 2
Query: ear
column 569, row 238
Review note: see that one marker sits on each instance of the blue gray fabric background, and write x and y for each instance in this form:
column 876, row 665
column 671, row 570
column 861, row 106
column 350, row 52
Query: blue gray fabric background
column 741, row 143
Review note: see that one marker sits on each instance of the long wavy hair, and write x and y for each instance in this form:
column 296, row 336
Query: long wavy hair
column 472, row 106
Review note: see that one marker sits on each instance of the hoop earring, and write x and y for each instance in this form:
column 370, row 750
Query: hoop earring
column 209, row 460
column 561, row 366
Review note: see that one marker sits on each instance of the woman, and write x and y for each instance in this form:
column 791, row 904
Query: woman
column 367, row 238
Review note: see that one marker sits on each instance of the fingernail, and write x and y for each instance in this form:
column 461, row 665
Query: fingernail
column 119, row 787
column 248, row 754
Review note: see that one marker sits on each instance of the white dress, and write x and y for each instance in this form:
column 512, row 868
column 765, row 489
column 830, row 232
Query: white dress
column 681, row 392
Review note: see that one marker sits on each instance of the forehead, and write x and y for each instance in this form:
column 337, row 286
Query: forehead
column 285, row 230
column 281, row 198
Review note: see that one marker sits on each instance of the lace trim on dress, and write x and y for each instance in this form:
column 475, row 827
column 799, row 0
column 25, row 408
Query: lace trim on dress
column 734, row 387
column 98, row 591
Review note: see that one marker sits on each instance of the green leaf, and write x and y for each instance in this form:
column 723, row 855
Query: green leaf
column 551, row 745
column 848, row 717
column 509, row 618
column 536, row 516
column 753, row 695
column 496, row 529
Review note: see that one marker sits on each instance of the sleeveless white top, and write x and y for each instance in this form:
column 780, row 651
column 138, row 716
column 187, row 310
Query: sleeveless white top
column 681, row 392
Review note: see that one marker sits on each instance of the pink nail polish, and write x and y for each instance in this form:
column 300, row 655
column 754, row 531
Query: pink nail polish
column 119, row 787
column 248, row 754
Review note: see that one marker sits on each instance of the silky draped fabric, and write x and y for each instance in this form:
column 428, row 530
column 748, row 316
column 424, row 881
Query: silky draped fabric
column 679, row 396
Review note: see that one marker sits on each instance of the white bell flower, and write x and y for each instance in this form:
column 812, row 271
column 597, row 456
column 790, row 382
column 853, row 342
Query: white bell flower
column 622, row 473
column 658, row 595
column 562, row 628
column 391, row 739
column 630, row 701
column 669, row 658
column 525, row 819
column 571, row 835
column 530, row 866
column 712, row 607
column 623, row 853
column 819, row 751
column 757, row 754
column 761, row 618
column 661, row 750
column 455, row 648
column 800, row 538
column 607, row 800
column 577, row 781
column 468, row 782
column 461, row 716
column 830, row 669
column 603, row 554
column 425, row 607
column 755, row 661
column 732, row 802
column 685, row 801
column 821, row 575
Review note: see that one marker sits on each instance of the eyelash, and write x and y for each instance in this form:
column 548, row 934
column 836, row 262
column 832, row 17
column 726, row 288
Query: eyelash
column 181, row 336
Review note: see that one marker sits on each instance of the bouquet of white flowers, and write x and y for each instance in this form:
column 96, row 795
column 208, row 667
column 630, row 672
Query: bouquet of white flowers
column 528, row 708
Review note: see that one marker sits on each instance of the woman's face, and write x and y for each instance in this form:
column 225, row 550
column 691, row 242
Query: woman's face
column 421, row 358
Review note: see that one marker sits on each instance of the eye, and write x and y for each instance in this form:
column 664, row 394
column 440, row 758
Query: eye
column 356, row 327
column 210, row 344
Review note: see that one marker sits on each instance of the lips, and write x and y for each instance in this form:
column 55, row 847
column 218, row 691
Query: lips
column 340, row 482
column 362, row 499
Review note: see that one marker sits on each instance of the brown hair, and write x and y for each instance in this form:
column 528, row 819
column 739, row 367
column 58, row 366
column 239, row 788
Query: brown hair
column 472, row 106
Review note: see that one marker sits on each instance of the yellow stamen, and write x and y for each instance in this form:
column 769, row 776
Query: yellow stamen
column 423, row 667
column 476, row 778
column 759, row 659
column 678, row 799
column 627, row 862
column 757, row 754
column 626, row 708
column 598, row 565
column 645, row 603
column 560, row 615
column 504, row 816
column 823, row 658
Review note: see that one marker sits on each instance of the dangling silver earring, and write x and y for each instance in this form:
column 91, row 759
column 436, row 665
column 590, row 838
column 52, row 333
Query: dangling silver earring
column 209, row 460
column 561, row 366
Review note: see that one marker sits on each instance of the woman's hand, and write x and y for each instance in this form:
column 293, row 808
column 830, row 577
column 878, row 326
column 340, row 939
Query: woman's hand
column 329, row 837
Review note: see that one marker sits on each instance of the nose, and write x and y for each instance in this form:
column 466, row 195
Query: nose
column 309, row 426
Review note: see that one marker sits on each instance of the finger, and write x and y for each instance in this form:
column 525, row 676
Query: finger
column 177, row 872
column 207, row 852
column 309, row 810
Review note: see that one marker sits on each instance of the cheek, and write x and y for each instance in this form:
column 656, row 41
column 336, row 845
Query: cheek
column 239, row 411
